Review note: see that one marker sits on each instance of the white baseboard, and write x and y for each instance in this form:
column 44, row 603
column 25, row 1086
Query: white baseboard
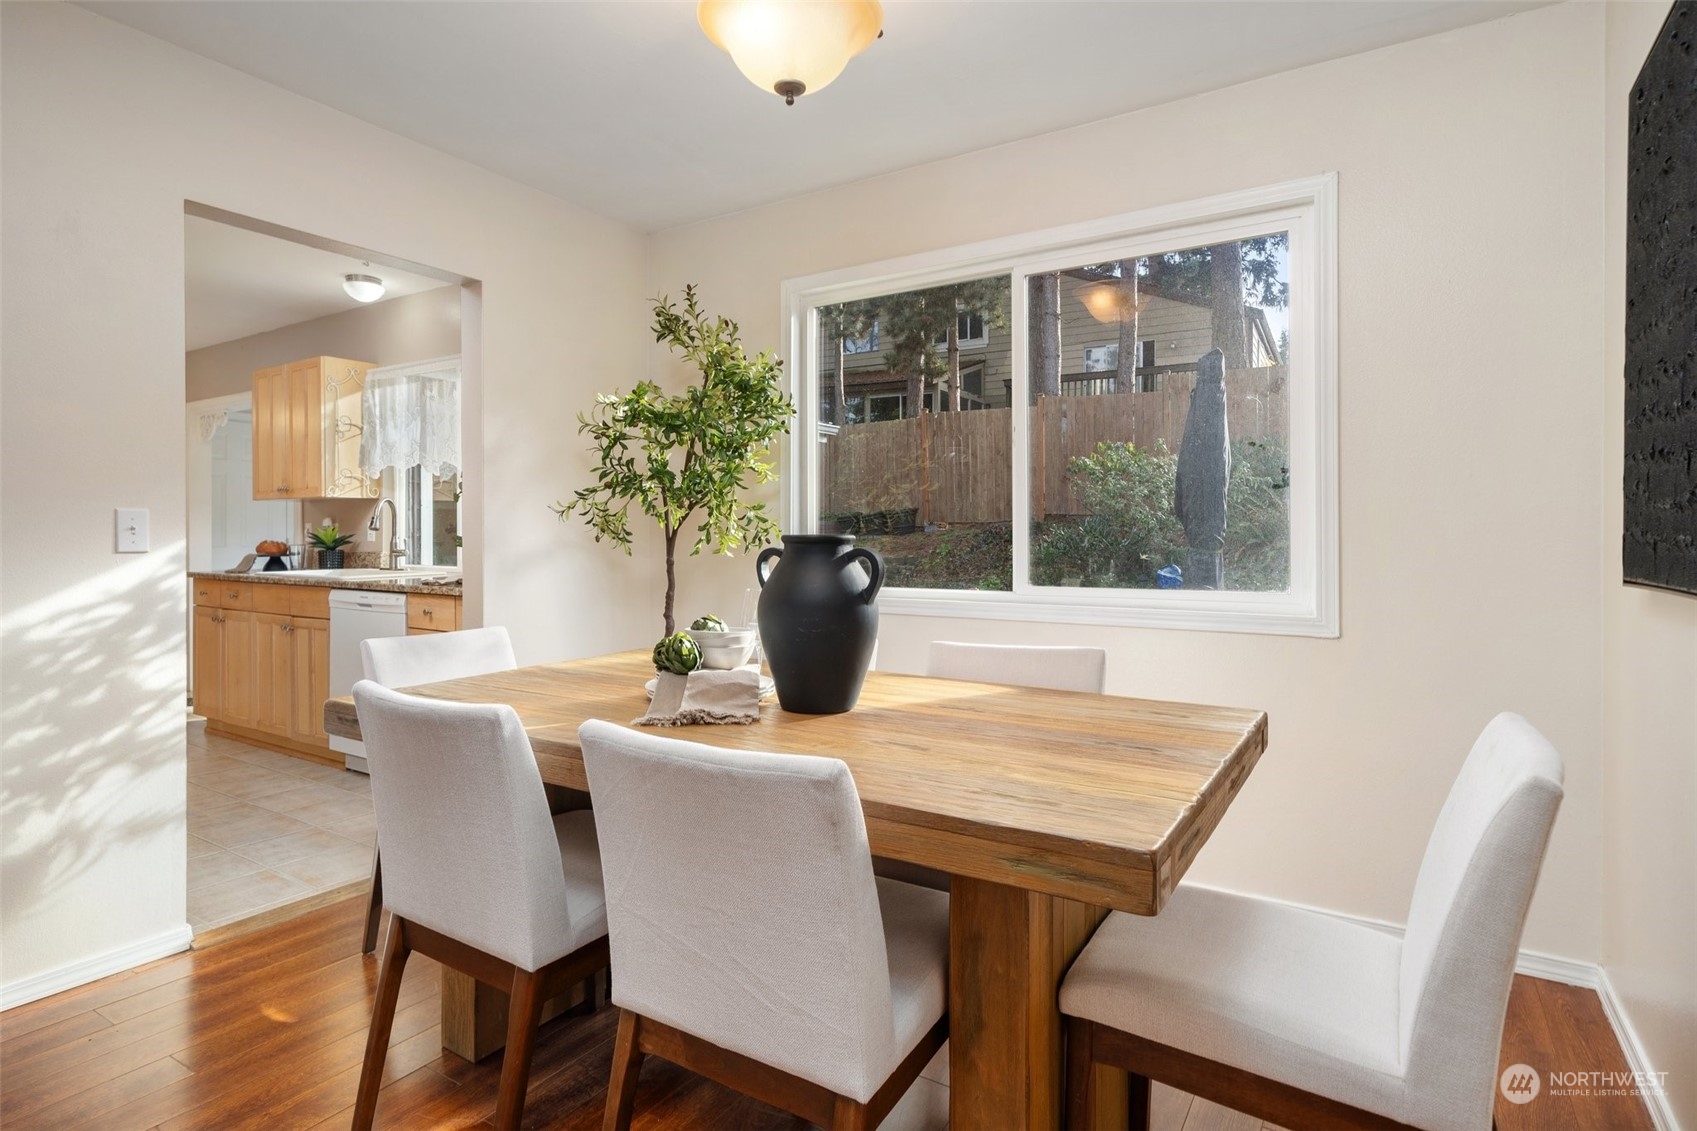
column 1568, row 971
column 86, row 970
column 1661, row 1114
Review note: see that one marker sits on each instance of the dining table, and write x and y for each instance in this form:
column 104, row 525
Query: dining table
column 1047, row 810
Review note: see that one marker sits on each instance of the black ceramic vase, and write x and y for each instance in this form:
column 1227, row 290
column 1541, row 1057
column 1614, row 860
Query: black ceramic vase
column 818, row 622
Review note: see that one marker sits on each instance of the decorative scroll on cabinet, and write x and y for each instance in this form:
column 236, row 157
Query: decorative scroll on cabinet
column 306, row 430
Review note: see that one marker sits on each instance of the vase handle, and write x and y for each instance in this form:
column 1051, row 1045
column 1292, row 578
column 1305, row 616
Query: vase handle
column 874, row 569
column 770, row 553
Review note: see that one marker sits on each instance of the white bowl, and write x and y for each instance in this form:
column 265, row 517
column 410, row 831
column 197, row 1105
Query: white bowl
column 723, row 651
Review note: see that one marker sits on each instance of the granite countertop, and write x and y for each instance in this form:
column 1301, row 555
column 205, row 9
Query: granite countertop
column 397, row 584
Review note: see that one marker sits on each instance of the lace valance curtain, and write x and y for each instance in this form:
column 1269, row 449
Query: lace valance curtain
column 412, row 416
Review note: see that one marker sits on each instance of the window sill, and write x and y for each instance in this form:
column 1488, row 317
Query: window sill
column 1275, row 614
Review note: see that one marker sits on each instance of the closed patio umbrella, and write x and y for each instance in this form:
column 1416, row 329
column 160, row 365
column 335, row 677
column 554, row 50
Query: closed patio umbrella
column 1204, row 470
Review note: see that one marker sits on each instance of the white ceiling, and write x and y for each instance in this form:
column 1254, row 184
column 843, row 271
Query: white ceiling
column 240, row 282
column 624, row 107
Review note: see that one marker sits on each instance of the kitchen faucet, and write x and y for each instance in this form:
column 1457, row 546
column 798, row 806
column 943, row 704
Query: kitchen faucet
column 395, row 557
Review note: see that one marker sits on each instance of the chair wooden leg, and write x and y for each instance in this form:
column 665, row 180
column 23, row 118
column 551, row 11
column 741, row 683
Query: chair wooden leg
column 627, row 1063
column 524, row 1014
column 1139, row 1094
column 1080, row 1075
column 395, row 952
column 374, row 910
column 848, row 1115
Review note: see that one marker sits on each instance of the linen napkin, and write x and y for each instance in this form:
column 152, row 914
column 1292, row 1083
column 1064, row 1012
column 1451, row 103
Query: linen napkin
column 704, row 697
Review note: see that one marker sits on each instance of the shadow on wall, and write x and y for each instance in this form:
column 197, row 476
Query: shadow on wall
column 92, row 711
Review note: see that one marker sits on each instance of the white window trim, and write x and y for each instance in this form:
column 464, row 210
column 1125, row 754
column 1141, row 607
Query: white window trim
column 1307, row 209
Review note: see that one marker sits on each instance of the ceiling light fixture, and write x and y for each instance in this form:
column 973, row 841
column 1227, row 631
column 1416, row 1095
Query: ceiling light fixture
column 363, row 288
column 791, row 47
column 1112, row 300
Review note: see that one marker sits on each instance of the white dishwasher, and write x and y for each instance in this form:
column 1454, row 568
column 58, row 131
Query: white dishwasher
column 357, row 615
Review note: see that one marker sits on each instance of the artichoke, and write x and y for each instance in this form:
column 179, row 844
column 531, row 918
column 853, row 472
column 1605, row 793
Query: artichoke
column 677, row 653
column 709, row 623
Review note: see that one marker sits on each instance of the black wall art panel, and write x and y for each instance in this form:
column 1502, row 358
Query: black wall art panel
column 1661, row 312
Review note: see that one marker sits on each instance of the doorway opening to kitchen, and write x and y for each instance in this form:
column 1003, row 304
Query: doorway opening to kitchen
column 326, row 391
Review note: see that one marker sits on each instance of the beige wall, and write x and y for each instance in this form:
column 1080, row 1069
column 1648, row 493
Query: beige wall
column 107, row 132
column 1468, row 181
column 1650, row 691
column 413, row 327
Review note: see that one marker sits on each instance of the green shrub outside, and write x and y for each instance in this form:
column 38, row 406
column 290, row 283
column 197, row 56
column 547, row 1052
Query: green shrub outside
column 1130, row 530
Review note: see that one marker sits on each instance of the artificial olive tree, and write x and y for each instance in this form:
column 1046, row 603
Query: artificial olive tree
column 692, row 455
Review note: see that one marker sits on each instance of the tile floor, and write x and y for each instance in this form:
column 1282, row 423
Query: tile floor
column 266, row 829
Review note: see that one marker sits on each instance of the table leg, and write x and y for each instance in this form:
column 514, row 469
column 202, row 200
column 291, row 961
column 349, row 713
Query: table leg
column 1008, row 950
column 474, row 1015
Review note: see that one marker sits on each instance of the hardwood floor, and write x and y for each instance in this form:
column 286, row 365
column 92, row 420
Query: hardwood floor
column 267, row 1031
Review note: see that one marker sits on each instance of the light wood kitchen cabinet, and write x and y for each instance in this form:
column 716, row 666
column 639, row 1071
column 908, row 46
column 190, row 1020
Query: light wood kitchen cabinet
column 224, row 652
column 240, row 649
column 273, row 667
column 208, row 661
column 306, row 430
column 261, row 669
column 310, row 672
column 432, row 612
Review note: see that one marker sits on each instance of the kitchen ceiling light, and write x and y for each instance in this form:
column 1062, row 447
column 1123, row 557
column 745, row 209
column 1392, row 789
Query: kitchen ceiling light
column 363, row 288
column 791, row 47
column 1112, row 301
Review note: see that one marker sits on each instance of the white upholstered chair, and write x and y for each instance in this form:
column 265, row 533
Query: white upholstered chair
column 1312, row 1021
column 431, row 657
column 752, row 943
column 410, row 661
column 1059, row 668
column 480, row 876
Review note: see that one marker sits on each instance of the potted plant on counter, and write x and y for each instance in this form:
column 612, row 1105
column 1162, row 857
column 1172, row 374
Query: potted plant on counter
column 687, row 458
column 329, row 540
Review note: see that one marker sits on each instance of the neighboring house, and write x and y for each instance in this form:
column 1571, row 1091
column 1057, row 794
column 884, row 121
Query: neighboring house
column 1172, row 333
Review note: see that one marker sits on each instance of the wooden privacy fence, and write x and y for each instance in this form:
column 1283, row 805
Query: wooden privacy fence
column 957, row 467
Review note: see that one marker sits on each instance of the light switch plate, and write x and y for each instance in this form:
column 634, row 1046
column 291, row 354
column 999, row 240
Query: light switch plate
column 132, row 530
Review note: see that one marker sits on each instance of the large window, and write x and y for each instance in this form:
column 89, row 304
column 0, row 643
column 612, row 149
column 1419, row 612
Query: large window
column 1092, row 483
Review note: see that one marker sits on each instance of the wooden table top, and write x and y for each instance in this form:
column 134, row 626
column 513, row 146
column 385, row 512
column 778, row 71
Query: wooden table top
column 1097, row 798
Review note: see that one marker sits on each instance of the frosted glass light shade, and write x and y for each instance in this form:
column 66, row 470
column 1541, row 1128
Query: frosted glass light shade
column 363, row 288
column 791, row 47
column 1111, row 302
